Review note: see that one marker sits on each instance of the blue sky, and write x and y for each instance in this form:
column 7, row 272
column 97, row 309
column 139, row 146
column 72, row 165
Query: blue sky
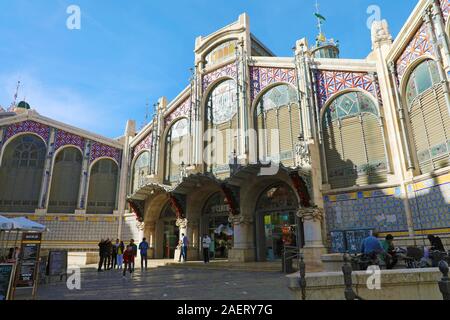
column 129, row 51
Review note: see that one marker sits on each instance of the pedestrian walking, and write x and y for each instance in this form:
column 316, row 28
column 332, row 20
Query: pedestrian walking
column 143, row 248
column 114, row 253
column 184, row 242
column 135, row 249
column 128, row 258
column 120, row 251
column 206, row 243
column 108, row 249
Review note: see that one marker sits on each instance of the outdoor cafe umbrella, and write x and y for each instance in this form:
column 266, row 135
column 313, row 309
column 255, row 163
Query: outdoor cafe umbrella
column 5, row 225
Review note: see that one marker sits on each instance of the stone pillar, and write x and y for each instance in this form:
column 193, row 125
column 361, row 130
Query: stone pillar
column 150, row 234
column 82, row 197
column 312, row 225
column 47, row 173
column 243, row 247
column 189, row 230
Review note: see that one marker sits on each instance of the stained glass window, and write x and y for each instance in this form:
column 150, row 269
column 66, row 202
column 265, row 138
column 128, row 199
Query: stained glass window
column 222, row 53
column 424, row 76
column 277, row 97
column 141, row 170
column 223, row 101
column 348, row 105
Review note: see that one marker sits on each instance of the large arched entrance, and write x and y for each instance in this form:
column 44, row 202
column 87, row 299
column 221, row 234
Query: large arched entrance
column 215, row 223
column 171, row 232
column 277, row 224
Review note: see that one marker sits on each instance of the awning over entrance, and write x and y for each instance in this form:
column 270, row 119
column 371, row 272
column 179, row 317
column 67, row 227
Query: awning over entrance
column 150, row 189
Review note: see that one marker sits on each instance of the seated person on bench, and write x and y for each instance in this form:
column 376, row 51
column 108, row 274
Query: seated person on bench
column 389, row 256
column 371, row 246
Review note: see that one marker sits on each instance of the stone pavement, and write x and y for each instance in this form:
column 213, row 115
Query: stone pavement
column 168, row 283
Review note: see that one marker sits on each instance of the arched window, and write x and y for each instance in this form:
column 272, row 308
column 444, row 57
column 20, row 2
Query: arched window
column 221, row 117
column 65, row 181
column 222, row 53
column 354, row 141
column 103, row 187
column 21, row 173
column 176, row 150
column 428, row 116
column 278, row 110
column 141, row 170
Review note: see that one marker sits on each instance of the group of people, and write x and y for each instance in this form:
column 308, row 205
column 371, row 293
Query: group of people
column 119, row 256
column 385, row 250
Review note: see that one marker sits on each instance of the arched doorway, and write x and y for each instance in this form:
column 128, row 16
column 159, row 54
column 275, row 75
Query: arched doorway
column 277, row 224
column 171, row 233
column 215, row 223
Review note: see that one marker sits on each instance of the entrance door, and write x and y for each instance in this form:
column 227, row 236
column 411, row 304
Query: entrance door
column 277, row 223
column 171, row 238
column 279, row 231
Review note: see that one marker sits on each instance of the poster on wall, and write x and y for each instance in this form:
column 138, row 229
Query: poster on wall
column 6, row 277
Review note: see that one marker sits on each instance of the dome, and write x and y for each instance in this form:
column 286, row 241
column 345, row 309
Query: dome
column 23, row 105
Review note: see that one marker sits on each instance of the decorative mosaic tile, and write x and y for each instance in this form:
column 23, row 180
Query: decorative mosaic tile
column 145, row 144
column 229, row 70
column 445, row 6
column 99, row 150
column 419, row 45
column 329, row 83
column 181, row 111
column 64, row 138
column 261, row 77
column 28, row 126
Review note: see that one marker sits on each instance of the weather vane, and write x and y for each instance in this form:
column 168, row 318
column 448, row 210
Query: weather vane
column 320, row 20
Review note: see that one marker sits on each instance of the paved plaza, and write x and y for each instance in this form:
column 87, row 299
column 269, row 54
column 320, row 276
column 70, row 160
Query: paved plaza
column 170, row 283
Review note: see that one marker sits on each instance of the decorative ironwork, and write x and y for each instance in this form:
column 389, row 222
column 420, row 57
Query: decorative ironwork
column 302, row 153
column 302, row 280
column 350, row 294
column 444, row 283
column 301, row 189
column 138, row 207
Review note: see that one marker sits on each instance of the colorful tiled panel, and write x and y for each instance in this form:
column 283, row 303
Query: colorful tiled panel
column 145, row 144
column 229, row 71
column 180, row 111
column 419, row 46
column 261, row 77
column 64, row 138
column 99, row 150
column 383, row 210
column 28, row 126
column 430, row 203
column 328, row 83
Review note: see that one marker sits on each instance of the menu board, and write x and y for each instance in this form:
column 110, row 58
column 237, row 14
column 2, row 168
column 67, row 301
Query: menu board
column 57, row 263
column 6, row 276
column 29, row 255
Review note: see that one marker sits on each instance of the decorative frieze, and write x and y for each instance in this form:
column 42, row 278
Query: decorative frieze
column 99, row 150
column 40, row 129
column 181, row 111
column 262, row 77
column 229, row 71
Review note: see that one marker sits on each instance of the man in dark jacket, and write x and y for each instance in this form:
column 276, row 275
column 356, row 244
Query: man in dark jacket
column 101, row 252
column 135, row 250
column 108, row 254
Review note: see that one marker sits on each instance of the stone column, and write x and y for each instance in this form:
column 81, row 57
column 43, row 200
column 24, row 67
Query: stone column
column 47, row 173
column 150, row 234
column 312, row 227
column 84, row 177
column 243, row 247
column 189, row 230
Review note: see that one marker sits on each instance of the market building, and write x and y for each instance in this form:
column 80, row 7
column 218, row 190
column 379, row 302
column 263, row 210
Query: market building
column 258, row 151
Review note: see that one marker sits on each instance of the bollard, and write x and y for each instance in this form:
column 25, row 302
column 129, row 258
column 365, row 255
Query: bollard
column 302, row 268
column 444, row 283
column 347, row 270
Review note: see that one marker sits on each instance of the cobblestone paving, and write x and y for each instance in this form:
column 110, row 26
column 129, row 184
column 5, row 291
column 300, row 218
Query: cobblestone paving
column 171, row 284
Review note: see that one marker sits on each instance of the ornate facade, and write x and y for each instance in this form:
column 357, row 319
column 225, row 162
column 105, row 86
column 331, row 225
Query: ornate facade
column 262, row 151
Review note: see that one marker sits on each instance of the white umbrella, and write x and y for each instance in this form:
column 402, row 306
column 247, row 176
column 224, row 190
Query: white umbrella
column 24, row 224
column 6, row 224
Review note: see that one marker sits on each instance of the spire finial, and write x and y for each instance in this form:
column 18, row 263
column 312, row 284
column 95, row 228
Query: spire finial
column 16, row 94
column 320, row 20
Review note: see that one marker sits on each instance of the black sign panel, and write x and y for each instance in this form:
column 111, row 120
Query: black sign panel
column 6, row 275
column 57, row 263
column 26, row 275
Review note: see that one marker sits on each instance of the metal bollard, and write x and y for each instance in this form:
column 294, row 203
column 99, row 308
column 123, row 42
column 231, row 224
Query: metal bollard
column 302, row 281
column 444, row 283
column 347, row 270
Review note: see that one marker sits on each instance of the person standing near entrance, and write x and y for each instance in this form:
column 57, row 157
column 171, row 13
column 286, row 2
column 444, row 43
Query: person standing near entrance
column 143, row 248
column 102, row 253
column 114, row 254
column 135, row 249
column 184, row 247
column 120, row 251
column 206, row 242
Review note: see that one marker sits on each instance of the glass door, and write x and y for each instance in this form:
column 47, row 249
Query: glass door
column 280, row 230
column 171, row 238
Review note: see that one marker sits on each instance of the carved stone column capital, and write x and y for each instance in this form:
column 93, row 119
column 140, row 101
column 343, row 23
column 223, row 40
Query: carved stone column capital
column 182, row 223
column 140, row 225
column 311, row 214
column 240, row 220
